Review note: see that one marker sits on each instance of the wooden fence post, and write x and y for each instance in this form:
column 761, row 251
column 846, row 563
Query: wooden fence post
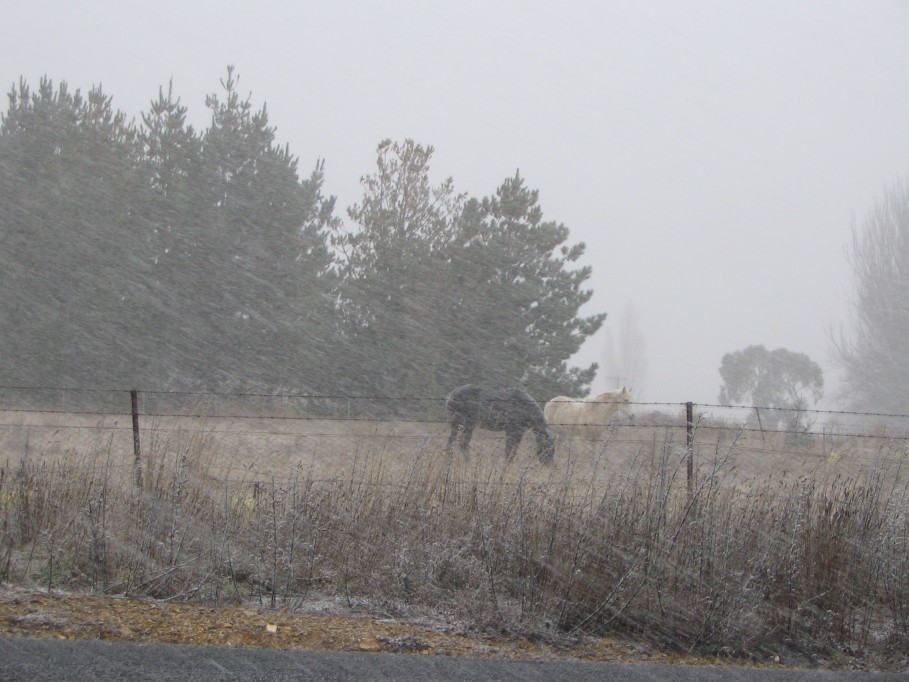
column 689, row 444
column 134, row 399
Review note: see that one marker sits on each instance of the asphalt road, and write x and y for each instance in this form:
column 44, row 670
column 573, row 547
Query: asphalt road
column 35, row 660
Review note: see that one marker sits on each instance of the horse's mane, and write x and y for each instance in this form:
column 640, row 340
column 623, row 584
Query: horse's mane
column 516, row 393
column 476, row 393
column 539, row 418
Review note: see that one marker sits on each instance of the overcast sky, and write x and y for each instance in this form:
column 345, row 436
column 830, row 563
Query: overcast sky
column 712, row 155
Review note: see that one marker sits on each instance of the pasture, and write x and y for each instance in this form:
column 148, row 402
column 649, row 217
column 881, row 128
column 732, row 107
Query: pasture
column 781, row 540
column 260, row 448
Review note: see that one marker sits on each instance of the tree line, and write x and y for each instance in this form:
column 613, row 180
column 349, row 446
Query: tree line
column 153, row 255
column 869, row 350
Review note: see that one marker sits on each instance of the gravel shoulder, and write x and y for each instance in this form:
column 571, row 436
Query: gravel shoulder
column 68, row 616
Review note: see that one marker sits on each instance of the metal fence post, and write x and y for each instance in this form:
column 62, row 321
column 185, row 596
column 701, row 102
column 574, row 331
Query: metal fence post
column 689, row 444
column 134, row 398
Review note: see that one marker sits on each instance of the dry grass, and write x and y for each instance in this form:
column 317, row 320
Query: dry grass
column 780, row 545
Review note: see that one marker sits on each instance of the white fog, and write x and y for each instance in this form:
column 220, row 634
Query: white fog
column 711, row 155
column 234, row 413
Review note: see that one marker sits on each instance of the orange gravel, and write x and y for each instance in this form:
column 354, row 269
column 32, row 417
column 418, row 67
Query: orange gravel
column 34, row 613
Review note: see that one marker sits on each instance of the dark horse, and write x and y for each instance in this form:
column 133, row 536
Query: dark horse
column 510, row 410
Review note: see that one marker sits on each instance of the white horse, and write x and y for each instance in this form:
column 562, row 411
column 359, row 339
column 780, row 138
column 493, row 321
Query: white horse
column 586, row 417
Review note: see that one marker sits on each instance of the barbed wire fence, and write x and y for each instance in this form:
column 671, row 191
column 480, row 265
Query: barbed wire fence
column 275, row 424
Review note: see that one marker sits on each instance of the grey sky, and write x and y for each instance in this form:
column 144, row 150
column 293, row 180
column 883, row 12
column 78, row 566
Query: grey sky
column 711, row 154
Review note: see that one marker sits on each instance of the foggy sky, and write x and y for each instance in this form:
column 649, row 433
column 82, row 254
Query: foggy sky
column 713, row 155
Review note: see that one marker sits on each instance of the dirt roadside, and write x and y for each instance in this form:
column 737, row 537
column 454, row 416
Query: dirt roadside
column 35, row 613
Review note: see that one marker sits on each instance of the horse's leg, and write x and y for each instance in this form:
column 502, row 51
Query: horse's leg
column 466, row 435
column 512, row 439
column 456, row 426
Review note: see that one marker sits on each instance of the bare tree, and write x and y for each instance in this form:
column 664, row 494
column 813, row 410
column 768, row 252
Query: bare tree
column 873, row 356
column 625, row 353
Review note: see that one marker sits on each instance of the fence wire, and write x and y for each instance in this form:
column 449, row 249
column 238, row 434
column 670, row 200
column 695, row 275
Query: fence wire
column 270, row 434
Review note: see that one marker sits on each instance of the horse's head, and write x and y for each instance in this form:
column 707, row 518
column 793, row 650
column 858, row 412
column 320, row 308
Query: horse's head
column 545, row 446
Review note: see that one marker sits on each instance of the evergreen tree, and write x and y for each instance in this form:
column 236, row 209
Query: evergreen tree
column 392, row 283
column 75, row 252
column 172, row 161
column 439, row 291
column 514, row 319
column 154, row 257
column 242, row 248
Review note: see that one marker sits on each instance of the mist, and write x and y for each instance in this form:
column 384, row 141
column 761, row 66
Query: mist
column 711, row 156
column 265, row 269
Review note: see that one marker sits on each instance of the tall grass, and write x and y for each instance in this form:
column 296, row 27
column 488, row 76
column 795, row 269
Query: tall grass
column 810, row 563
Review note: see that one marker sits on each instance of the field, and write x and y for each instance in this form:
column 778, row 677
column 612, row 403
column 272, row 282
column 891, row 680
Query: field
column 781, row 543
column 260, row 448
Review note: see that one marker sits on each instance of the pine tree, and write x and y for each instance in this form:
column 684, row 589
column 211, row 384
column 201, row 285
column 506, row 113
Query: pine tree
column 75, row 251
column 171, row 159
column 242, row 248
column 515, row 317
column 157, row 258
column 439, row 291
column 391, row 276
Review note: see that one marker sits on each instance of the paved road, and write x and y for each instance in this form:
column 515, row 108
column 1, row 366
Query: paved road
column 35, row 660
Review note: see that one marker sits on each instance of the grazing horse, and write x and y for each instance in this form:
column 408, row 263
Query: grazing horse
column 588, row 416
column 510, row 410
